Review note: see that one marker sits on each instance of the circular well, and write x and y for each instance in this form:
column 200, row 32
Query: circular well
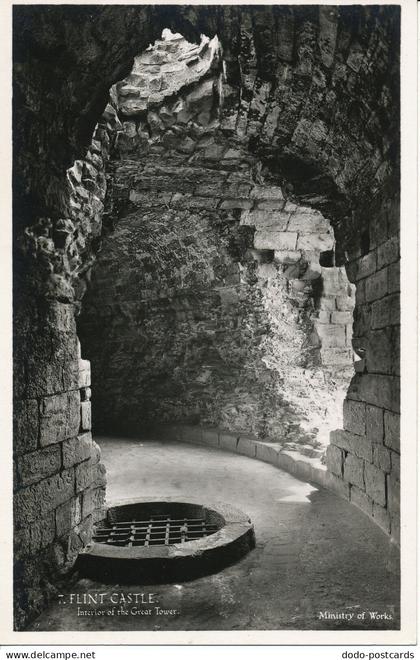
column 165, row 540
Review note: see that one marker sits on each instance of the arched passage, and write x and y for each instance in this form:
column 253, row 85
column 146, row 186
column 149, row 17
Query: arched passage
column 317, row 108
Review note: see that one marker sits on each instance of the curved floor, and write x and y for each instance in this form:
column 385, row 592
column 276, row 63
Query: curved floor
column 319, row 563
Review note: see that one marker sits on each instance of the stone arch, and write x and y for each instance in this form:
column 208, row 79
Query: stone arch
column 325, row 83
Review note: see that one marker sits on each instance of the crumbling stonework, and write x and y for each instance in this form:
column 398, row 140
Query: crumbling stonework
column 202, row 303
column 312, row 94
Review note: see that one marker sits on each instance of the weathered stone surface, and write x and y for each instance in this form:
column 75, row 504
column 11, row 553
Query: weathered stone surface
column 318, row 131
column 375, row 484
column 84, row 373
column 77, row 450
column 94, row 503
column 25, row 426
column 334, row 460
column 359, row 498
column 89, row 474
column 354, row 471
column 354, row 417
column 375, row 424
column 376, row 390
column 355, row 444
column 30, row 539
column 392, row 430
column 381, row 458
column 37, row 500
column 85, row 416
column 68, row 515
column 388, row 252
column 228, row 441
column 275, row 240
column 386, row 311
column 377, row 285
column 210, row 437
column 37, row 465
column 382, row 517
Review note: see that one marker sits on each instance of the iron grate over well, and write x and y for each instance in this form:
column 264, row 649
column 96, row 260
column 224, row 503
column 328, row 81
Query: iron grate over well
column 155, row 530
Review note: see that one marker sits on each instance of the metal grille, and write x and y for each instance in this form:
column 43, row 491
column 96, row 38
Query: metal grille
column 157, row 530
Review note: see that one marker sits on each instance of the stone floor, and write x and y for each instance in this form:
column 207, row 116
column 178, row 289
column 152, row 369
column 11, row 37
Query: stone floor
column 314, row 553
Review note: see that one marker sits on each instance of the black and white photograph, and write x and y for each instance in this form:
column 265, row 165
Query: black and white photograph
column 206, row 319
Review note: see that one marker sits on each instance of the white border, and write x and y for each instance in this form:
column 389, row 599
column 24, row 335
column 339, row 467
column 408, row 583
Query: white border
column 409, row 372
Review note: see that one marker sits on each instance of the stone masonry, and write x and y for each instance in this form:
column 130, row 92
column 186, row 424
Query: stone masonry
column 306, row 99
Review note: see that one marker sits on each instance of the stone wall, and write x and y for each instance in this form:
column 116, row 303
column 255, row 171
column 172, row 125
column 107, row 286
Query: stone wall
column 366, row 454
column 313, row 93
column 58, row 478
column 203, row 305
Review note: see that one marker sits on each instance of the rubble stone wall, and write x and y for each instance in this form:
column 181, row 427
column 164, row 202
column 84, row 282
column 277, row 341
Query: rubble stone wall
column 313, row 93
column 208, row 302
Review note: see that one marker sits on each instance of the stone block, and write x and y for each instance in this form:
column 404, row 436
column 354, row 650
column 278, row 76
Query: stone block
column 59, row 417
column 192, row 434
column 361, row 292
column 361, row 500
column 395, row 529
column 267, row 453
column 85, row 394
column 377, row 285
column 336, row 356
column 382, row 517
column 77, row 450
column 228, row 441
column 382, row 458
column 393, row 490
column 68, row 515
column 25, row 426
column 328, row 303
column 260, row 219
column 32, row 538
column 37, row 500
column 375, row 424
column 246, row 446
column 38, row 465
column 379, row 352
column 84, row 373
column 323, row 316
column 395, row 464
column 346, row 304
column 93, row 499
column 354, row 417
column 386, row 311
column 376, row 390
column 394, row 284
column 353, row 471
column 85, row 416
column 275, row 240
column 375, row 484
column 334, row 460
column 389, row 251
column 309, row 223
column 268, row 204
column 321, row 242
column 236, row 204
column 392, row 430
column 362, row 267
column 332, row 336
column 210, row 437
column 358, row 445
column 266, row 192
column 337, row 485
column 342, row 318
